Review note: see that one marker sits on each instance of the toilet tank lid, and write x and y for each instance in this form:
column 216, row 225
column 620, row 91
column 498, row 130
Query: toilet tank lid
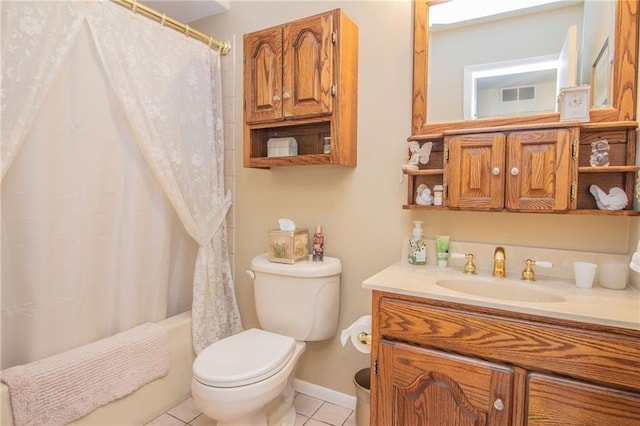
column 328, row 267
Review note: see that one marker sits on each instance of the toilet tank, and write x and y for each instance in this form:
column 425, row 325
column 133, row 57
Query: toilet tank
column 300, row 300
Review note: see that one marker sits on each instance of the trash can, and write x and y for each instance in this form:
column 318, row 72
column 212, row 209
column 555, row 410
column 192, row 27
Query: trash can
column 362, row 380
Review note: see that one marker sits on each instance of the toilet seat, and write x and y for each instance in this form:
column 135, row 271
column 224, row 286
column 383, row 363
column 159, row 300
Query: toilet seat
column 242, row 359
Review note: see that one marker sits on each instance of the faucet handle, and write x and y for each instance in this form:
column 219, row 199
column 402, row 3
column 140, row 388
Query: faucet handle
column 528, row 274
column 469, row 267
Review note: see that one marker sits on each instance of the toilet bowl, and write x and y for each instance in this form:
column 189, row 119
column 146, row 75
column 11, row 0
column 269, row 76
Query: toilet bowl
column 236, row 378
column 247, row 379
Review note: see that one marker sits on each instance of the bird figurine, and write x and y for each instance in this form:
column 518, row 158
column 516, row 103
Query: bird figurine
column 616, row 199
column 424, row 197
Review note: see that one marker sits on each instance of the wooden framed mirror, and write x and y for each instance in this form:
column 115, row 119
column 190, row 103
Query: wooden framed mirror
column 623, row 74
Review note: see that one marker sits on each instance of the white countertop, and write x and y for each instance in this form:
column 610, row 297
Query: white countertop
column 619, row 308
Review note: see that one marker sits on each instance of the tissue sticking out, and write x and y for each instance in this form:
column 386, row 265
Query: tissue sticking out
column 616, row 199
column 287, row 225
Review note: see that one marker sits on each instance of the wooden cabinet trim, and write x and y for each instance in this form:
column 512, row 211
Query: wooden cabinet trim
column 561, row 347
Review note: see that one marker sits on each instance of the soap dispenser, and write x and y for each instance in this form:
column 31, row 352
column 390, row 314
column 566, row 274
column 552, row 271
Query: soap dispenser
column 417, row 246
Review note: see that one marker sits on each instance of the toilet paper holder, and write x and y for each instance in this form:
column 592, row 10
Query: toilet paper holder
column 364, row 338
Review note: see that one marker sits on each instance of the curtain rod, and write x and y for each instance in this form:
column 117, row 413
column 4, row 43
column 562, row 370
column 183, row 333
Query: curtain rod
column 223, row 46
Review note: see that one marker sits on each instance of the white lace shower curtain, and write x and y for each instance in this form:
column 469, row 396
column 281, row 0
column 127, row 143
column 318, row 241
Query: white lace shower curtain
column 105, row 116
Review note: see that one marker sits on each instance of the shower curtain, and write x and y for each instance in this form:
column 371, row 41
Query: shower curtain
column 113, row 199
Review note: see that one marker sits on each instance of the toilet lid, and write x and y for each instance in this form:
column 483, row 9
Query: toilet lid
column 242, row 359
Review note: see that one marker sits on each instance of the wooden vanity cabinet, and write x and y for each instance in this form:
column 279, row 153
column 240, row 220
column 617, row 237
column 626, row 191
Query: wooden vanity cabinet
column 300, row 80
column 437, row 362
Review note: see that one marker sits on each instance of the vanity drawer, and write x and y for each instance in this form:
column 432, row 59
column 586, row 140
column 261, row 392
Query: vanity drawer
column 562, row 347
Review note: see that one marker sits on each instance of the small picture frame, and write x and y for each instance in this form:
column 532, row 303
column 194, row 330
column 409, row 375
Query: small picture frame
column 573, row 103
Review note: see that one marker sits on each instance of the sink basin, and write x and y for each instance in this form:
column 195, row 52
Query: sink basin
column 500, row 289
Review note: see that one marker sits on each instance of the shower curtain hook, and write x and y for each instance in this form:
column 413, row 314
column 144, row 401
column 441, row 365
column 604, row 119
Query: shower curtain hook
column 164, row 17
column 186, row 30
column 210, row 41
column 134, row 7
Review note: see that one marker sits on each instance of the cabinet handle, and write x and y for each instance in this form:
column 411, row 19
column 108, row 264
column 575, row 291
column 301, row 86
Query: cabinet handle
column 276, row 98
column 286, row 95
column 498, row 404
column 495, row 171
column 515, row 171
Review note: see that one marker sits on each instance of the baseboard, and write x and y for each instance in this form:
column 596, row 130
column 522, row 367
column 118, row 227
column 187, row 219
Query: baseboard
column 325, row 394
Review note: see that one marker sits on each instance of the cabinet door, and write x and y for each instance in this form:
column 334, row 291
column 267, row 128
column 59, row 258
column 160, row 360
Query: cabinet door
column 422, row 387
column 263, row 75
column 474, row 172
column 540, row 170
column 557, row 401
column 308, row 66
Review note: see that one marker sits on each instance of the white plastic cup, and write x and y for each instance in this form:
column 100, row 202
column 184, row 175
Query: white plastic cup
column 584, row 273
column 614, row 275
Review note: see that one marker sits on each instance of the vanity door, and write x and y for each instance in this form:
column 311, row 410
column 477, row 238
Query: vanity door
column 559, row 401
column 418, row 386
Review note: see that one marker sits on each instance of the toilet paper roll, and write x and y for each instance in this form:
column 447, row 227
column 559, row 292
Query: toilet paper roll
column 361, row 325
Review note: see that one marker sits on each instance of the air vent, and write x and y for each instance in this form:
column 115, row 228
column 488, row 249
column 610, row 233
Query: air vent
column 515, row 94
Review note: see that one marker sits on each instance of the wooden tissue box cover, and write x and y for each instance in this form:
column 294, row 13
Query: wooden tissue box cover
column 288, row 246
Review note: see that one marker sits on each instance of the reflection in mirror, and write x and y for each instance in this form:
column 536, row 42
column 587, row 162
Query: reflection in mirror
column 611, row 64
column 513, row 62
column 511, row 58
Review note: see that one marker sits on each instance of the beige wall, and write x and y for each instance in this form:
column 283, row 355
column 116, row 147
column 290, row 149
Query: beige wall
column 361, row 208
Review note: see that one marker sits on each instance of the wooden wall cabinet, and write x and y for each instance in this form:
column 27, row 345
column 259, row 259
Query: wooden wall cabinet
column 300, row 80
column 535, row 168
column 521, row 171
column 437, row 362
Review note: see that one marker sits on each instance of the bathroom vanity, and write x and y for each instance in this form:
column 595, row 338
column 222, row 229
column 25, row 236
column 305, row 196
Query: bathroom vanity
column 450, row 348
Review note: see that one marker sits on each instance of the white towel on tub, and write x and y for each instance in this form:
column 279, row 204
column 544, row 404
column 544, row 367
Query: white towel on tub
column 64, row 387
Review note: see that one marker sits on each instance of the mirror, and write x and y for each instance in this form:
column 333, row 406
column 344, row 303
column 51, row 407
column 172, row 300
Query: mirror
column 516, row 87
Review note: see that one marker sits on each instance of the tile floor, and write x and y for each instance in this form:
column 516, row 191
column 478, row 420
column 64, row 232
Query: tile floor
column 310, row 412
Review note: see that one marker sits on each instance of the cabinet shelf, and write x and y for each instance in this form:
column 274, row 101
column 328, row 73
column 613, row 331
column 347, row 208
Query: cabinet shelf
column 426, row 172
column 293, row 160
column 421, row 207
column 592, row 212
column 609, row 169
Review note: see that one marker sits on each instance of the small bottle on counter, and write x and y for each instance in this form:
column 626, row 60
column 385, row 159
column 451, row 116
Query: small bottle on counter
column 318, row 245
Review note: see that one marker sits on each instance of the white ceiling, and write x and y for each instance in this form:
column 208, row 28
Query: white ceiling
column 186, row 11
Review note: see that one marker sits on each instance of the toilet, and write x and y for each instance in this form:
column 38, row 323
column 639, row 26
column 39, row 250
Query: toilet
column 247, row 379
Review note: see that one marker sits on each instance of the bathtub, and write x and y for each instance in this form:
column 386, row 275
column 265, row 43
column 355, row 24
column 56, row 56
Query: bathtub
column 150, row 400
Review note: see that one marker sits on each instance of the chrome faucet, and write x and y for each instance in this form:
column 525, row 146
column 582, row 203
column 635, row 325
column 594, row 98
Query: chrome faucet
column 499, row 262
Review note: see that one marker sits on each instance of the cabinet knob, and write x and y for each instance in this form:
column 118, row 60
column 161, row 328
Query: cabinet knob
column 276, row 98
column 495, row 171
column 515, row 171
column 286, row 95
column 498, row 404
